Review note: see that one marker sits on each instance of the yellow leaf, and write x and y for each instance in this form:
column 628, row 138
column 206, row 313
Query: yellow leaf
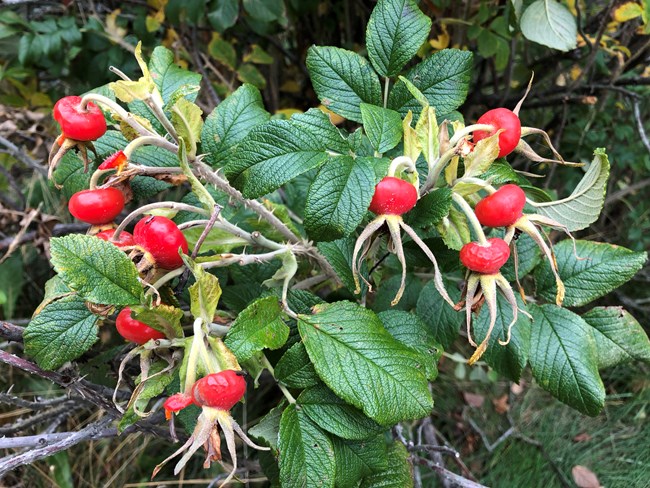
column 442, row 41
column 112, row 29
column 151, row 23
column 627, row 11
column 336, row 119
column 286, row 113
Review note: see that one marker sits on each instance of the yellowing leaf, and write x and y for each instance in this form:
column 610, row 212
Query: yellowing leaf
column 128, row 91
column 336, row 119
column 258, row 56
column 186, row 117
column 287, row 113
column 627, row 11
column 222, row 51
column 442, row 41
column 112, row 29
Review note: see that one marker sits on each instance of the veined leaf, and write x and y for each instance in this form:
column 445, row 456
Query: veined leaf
column 619, row 337
column 342, row 80
column 306, row 452
column 294, row 368
column 97, row 270
column 583, row 206
column 396, row 30
column 61, row 332
column 383, row 127
column 598, row 269
column 398, row 474
column 564, row 359
column 339, row 197
column 549, row 23
column 358, row 459
column 363, row 364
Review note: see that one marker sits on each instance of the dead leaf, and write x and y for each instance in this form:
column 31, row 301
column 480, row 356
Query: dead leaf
column 582, row 437
column 584, row 477
column 501, row 404
column 473, row 400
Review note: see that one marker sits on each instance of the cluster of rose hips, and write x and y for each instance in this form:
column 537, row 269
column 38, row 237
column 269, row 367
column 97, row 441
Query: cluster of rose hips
column 157, row 237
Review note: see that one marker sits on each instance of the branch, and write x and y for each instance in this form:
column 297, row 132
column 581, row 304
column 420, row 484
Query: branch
column 11, row 332
column 12, row 462
column 59, row 230
column 20, row 155
column 454, row 478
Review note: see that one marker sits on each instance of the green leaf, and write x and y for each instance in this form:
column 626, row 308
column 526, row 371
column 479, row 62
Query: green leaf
column 248, row 73
column 395, row 32
column 357, row 459
column 528, row 256
column 339, row 254
column 339, row 197
column 268, row 428
column 398, row 474
column 564, row 359
column 318, row 123
column 165, row 318
column 306, row 452
column 509, row 360
column 186, row 118
column 276, row 152
column 71, row 176
column 443, row 320
column 96, row 269
column 363, row 364
column 619, row 337
column 342, row 80
column 500, row 173
column 430, row 209
column 582, row 208
column 383, row 127
column 264, row 10
column 549, row 23
column 230, row 123
column 223, row 14
column 454, row 229
column 443, row 78
column 333, row 415
column 387, row 289
column 294, row 368
column 223, row 51
column 258, row 327
column 598, row 269
column 63, row 331
column 169, row 77
column 415, row 334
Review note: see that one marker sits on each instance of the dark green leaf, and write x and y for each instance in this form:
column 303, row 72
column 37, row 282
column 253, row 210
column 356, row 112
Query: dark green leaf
column 339, row 255
column 443, row 78
column 339, row 197
column 395, row 32
column 223, row 14
column 342, row 80
column 363, row 364
column 443, row 320
column 169, row 77
column 63, row 331
column 598, row 269
column 332, row 414
column 264, row 10
column 564, row 359
column 383, row 127
column 356, row 459
column 294, row 368
column 398, row 474
column 268, row 428
column 387, row 290
column 306, row 452
column 430, row 209
column 619, row 337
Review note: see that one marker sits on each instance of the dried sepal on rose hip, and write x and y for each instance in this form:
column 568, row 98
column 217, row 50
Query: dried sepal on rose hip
column 484, row 261
column 216, row 394
column 393, row 198
column 80, row 125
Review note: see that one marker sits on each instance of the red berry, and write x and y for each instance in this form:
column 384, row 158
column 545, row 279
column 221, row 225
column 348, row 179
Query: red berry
column 98, row 206
column 125, row 239
column 485, row 259
column 134, row 330
column 176, row 403
column 393, row 196
column 501, row 118
column 79, row 124
column 162, row 238
column 219, row 390
column 115, row 160
column 502, row 208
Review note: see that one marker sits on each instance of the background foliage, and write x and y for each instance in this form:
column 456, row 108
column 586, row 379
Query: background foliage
column 590, row 90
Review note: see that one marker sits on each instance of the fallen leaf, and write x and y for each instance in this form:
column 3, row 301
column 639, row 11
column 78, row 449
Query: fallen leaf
column 582, row 437
column 584, row 477
column 501, row 404
column 473, row 400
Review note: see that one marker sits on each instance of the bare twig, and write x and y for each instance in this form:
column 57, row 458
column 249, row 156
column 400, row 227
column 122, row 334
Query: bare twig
column 21, row 156
column 11, row 332
column 639, row 123
column 455, row 479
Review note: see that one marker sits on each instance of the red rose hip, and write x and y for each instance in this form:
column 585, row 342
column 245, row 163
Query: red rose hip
column 125, row 239
column 98, row 206
column 219, row 390
column 486, row 259
column 501, row 118
column 133, row 330
column 393, row 196
column 502, row 208
column 77, row 123
column 162, row 238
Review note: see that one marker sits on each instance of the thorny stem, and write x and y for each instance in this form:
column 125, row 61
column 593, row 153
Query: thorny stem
column 154, row 206
column 206, row 230
column 471, row 217
column 283, row 389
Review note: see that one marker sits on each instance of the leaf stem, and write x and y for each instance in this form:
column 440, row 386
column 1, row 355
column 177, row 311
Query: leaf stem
column 386, row 86
column 283, row 389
